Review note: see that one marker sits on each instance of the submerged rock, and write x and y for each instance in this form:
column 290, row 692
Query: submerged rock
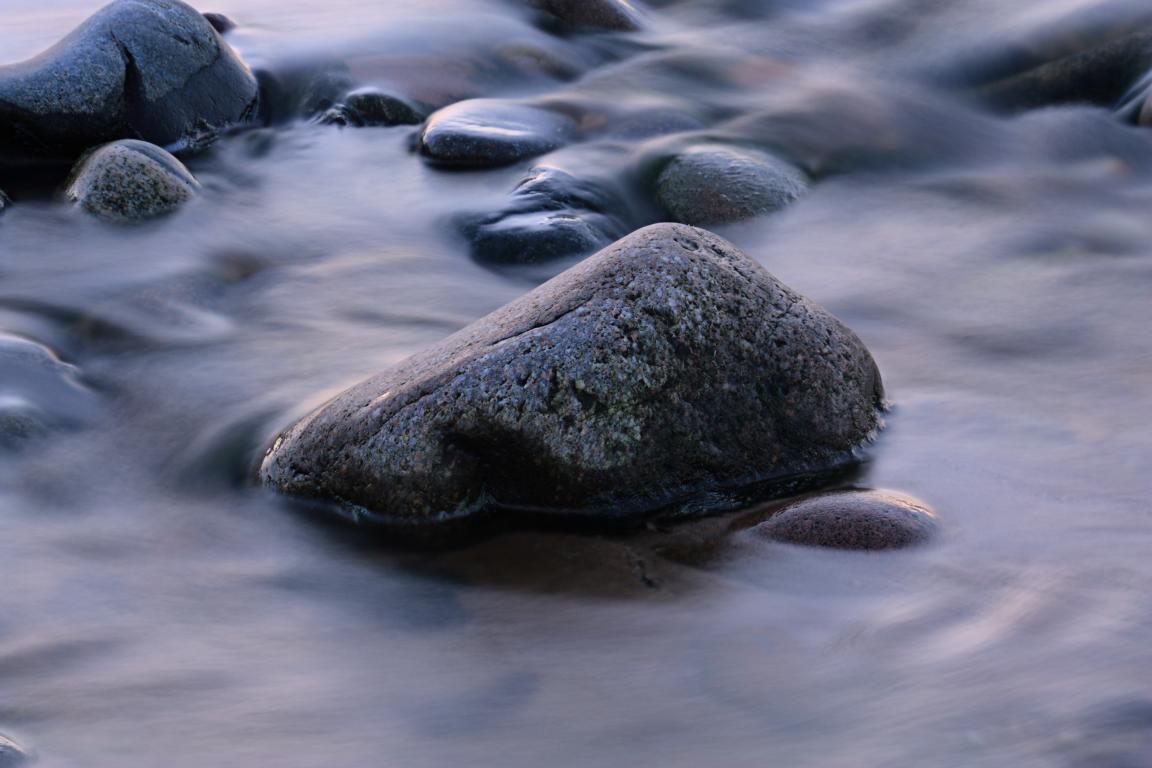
column 301, row 87
column 482, row 133
column 550, row 215
column 369, row 107
column 664, row 368
column 220, row 22
column 853, row 520
column 131, row 180
column 612, row 15
column 12, row 754
column 38, row 393
column 5, row 202
column 718, row 185
column 145, row 69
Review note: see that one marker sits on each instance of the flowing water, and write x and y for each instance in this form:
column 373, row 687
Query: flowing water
column 158, row 609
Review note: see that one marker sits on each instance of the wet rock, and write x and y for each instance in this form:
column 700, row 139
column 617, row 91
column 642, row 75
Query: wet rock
column 12, row 754
column 301, row 88
column 5, row 202
column 853, row 520
column 220, row 22
column 665, row 367
column 612, row 15
column 550, row 215
column 719, row 185
column 482, row 133
column 369, row 107
column 38, row 393
column 131, row 180
column 145, row 69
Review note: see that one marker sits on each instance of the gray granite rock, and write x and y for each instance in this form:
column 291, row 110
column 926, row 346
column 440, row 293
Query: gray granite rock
column 370, row 107
column 145, row 69
column 665, row 368
column 716, row 184
column 612, row 15
column 550, row 215
column 481, row 133
column 130, row 180
column 853, row 520
column 38, row 393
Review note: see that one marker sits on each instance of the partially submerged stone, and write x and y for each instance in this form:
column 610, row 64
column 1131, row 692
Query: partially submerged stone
column 371, row 107
column 663, row 369
column 38, row 393
column 5, row 202
column 609, row 15
column 550, row 215
column 484, row 133
column 715, row 184
column 853, row 520
column 146, row 69
column 131, row 180
column 12, row 754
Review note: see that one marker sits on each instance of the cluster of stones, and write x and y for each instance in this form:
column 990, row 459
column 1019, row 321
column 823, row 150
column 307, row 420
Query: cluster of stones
column 665, row 369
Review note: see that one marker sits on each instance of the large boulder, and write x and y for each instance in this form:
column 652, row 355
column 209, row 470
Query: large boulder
column 665, row 369
column 144, row 69
column 129, row 181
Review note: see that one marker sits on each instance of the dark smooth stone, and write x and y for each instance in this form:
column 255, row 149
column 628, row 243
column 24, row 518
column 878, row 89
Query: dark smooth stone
column 482, row 133
column 148, row 69
column 550, row 215
column 609, row 15
column 853, row 520
column 665, row 367
column 131, row 180
column 12, row 755
column 715, row 184
column 301, row 88
column 38, row 393
column 220, row 22
column 369, row 107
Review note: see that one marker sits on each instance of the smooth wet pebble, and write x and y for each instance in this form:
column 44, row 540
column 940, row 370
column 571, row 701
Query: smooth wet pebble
column 716, row 184
column 12, row 754
column 370, row 107
column 482, row 133
column 853, row 520
column 39, row 392
column 609, row 15
column 550, row 215
column 131, row 180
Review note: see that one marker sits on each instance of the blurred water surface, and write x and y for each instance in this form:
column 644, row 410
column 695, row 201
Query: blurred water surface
column 156, row 609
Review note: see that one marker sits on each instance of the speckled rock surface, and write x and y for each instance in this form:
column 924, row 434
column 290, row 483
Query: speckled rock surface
column 550, row 215
column 131, row 180
column 488, row 132
column 613, row 15
column 145, row 69
column 369, row 107
column 853, row 520
column 38, row 393
column 665, row 367
column 719, row 185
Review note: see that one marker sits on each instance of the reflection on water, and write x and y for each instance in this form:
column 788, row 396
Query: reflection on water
column 157, row 610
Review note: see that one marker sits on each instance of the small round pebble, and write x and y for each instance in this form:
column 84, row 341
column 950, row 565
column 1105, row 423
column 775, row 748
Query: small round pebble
column 719, row 185
column 853, row 520
column 369, row 107
column 12, row 754
column 486, row 133
column 130, row 180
